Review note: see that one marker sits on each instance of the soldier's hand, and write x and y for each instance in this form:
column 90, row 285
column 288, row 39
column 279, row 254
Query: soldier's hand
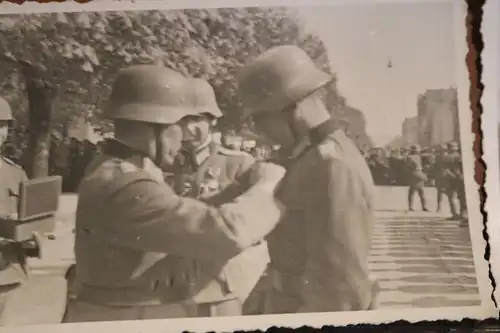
column 266, row 175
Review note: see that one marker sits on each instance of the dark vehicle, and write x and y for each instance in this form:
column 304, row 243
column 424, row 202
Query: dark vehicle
column 24, row 238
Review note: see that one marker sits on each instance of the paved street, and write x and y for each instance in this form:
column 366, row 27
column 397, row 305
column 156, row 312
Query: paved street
column 421, row 259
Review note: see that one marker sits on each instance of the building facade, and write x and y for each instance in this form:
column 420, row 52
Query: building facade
column 438, row 117
column 410, row 131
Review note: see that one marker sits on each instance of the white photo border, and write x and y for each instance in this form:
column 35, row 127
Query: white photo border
column 262, row 322
column 490, row 102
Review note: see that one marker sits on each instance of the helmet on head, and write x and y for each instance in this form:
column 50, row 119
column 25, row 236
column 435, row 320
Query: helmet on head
column 151, row 94
column 204, row 98
column 5, row 110
column 278, row 78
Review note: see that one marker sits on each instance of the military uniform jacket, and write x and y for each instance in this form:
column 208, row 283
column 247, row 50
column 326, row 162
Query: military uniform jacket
column 452, row 167
column 12, row 268
column 133, row 233
column 324, row 240
column 218, row 175
column 415, row 166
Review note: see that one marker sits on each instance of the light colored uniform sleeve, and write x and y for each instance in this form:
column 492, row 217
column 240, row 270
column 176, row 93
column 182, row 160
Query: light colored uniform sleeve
column 151, row 217
column 239, row 185
column 349, row 219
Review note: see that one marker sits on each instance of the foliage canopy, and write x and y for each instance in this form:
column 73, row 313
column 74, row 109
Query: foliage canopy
column 76, row 55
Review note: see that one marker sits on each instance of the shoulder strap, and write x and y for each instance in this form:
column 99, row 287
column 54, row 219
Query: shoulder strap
column 127, row 179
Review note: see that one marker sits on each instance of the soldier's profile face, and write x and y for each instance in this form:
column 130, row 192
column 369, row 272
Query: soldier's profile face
column 4, row 131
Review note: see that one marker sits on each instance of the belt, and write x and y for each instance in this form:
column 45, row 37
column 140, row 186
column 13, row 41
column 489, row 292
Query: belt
column 155, row 293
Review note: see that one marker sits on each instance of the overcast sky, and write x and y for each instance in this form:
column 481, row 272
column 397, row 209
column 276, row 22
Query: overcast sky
column 361, row 39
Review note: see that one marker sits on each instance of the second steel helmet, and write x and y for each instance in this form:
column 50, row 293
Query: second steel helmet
column 279, row 77
column 5, row 110
column 151, row 94
column 204, row 98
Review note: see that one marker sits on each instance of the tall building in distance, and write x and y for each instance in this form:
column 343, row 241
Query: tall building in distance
column 438, row 117
column 410, row 131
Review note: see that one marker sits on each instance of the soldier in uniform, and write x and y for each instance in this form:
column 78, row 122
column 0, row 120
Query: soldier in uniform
column 417, row 178
column 319, row 252
column 134, row 235
column 215, row 174
column 453, row 174
column 13, row 270
column 440, row 181
column 395, row 167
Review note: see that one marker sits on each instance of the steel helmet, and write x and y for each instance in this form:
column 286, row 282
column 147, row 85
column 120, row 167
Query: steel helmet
column 5, row 110
column 204, row 98
column 149, row 93
column 279, row 77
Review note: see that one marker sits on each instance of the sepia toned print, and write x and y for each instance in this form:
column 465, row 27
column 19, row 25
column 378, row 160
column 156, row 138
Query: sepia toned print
column 213, row 163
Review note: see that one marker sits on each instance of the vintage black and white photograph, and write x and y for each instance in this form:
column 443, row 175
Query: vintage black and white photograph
column 160, row 162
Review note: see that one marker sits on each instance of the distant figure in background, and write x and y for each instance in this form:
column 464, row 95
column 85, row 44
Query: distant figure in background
column 396, row 167
column 61, row 161
column 439, row 176
column 417, row 178
column 13, row 269
column 453, row 173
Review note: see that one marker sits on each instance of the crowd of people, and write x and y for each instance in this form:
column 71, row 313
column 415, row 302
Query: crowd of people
column 69, row 156
column 438, row 167
column 417, row 168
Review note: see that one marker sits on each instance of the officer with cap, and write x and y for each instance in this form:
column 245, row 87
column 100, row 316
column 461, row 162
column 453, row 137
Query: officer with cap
column 319, row 252
column 417, row 177
column 215, row 174
column 133, row 233
column 13, row 271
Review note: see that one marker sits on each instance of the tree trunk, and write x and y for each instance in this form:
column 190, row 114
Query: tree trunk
column 41, row 95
